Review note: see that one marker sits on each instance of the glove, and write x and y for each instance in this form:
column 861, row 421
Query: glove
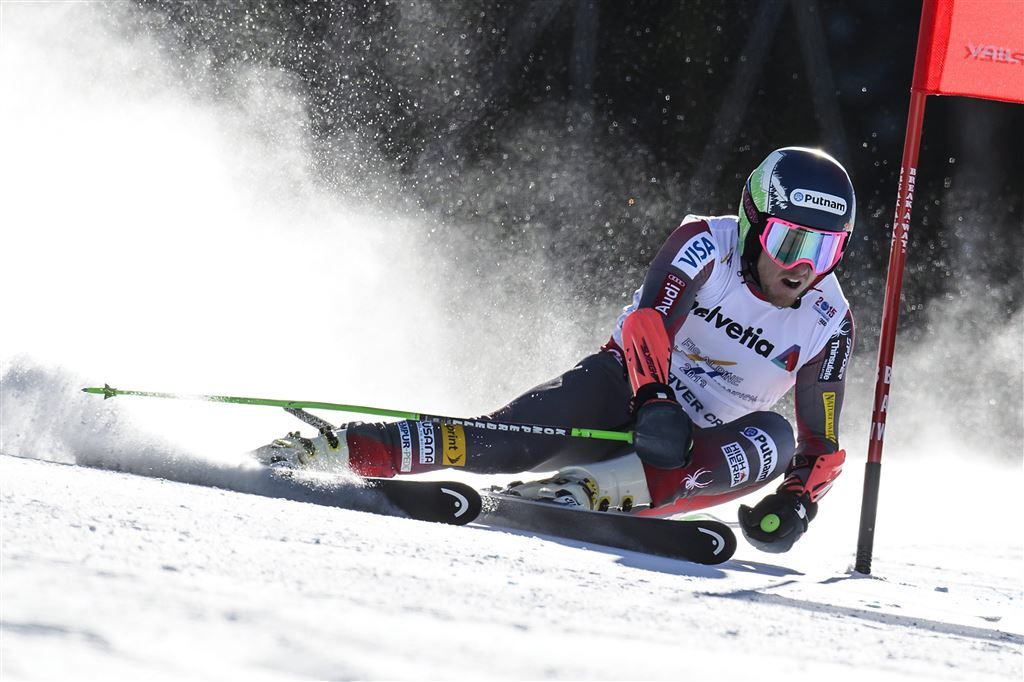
column 777, row 521
column 662, row 429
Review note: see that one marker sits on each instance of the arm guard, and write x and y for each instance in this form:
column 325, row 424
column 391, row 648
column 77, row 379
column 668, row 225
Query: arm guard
column 817, row 479
column 646, row 347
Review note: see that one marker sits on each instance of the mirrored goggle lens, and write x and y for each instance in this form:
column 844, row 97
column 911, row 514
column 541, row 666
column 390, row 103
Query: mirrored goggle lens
column 789, row 244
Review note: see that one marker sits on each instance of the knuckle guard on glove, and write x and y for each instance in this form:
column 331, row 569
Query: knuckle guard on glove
column 775, row 523
column 662, row 430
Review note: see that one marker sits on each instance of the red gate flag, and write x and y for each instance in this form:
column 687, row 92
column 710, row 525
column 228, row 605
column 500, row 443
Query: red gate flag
column 973, row 48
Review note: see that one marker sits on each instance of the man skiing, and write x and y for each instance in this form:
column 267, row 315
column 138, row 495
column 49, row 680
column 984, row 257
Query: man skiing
column 733, row 312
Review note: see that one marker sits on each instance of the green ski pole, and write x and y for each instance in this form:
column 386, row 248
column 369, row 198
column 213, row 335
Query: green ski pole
column 292, row 405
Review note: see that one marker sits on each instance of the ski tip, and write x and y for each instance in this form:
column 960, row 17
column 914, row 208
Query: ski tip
column 722, row 539
column 449, row 502
column 464, row 501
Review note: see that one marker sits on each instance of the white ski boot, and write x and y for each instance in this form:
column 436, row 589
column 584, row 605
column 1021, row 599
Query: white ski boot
column 618, row 483
column 325, row 452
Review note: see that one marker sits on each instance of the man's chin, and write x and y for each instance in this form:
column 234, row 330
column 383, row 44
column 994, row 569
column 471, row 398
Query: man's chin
column 783, row 298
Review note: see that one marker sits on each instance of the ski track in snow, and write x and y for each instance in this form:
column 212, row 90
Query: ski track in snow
column 106, row 574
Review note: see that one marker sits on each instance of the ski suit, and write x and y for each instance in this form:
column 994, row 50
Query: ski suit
column 733, row 356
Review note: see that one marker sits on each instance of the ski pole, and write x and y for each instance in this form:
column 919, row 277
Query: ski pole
column 294, row 405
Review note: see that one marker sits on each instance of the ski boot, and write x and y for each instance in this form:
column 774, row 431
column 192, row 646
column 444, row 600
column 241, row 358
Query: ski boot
column 618, row 484
column 325, row 452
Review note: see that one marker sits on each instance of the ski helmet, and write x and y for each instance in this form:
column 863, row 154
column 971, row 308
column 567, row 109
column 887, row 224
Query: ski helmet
column 798, row 185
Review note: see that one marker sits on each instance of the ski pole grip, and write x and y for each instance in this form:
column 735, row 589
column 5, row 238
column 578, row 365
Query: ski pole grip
column 623, row 436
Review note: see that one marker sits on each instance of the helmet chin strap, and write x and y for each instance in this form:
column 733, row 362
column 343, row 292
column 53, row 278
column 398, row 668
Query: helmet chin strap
column 749, row 270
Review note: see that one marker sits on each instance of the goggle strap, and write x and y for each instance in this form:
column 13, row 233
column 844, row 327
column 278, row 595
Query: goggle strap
column 753, row 215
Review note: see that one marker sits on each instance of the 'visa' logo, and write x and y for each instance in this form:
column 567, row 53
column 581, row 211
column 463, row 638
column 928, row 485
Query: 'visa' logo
column 694, row 255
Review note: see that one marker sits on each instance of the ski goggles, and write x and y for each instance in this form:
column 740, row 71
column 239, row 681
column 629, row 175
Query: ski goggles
column 789, row 244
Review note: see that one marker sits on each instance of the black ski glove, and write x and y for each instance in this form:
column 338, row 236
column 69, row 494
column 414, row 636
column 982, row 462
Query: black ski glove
column 661, row 433
column 777, row 521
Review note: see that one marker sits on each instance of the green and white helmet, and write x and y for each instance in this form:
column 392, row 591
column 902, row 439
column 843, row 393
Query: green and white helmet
column 799, row 185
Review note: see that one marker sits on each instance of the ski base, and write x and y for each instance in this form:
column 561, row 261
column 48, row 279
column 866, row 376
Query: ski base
column 703, row 541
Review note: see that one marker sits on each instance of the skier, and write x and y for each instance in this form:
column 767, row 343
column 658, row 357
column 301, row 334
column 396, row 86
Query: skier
column 733, row 312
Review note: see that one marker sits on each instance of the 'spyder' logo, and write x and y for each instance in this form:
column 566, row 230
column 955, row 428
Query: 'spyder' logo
column 819, row 201
column 766, row 449
column 405, row 438
column 693, row 481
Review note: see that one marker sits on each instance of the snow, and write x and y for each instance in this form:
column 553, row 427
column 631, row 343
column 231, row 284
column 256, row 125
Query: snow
column 131, row 548
column 112, row 575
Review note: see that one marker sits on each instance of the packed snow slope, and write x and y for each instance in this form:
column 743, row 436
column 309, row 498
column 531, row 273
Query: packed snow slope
column 163, row 229
column 113, row 575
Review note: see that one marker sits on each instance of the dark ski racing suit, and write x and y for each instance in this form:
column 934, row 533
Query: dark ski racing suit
column 733, row 356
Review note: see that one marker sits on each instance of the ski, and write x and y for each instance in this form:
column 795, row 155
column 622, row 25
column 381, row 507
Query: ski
column 435, row 501
column 700, row 541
